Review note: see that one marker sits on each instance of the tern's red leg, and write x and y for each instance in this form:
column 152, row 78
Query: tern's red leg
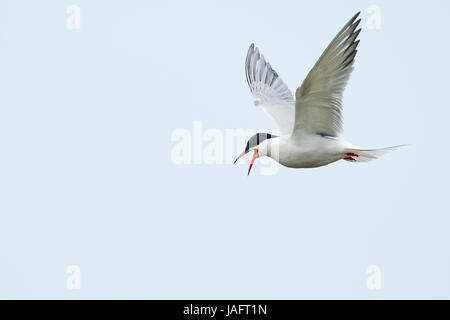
column 351, row 154
column 349, row 159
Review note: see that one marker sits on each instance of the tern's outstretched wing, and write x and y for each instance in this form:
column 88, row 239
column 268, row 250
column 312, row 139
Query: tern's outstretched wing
column 269, row 91
column 318, row 105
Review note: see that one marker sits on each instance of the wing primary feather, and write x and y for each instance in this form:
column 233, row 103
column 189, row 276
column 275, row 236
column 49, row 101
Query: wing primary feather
column 318, row 106
column 247, row 64
column 350, row 59
column 347, row 25
column 269, row 91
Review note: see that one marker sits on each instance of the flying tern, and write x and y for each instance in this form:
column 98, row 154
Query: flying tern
column 309, row 124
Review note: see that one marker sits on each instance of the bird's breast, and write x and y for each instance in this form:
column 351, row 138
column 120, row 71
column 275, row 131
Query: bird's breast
column 309, row 153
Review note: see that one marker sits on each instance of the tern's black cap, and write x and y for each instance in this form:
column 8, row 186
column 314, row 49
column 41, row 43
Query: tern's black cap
column 257, row 139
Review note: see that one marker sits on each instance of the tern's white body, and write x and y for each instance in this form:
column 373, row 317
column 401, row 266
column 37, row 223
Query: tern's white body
column 310, row 123
column 305, row 151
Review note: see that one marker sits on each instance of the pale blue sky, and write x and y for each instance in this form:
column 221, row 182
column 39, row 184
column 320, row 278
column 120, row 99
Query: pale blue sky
column 86, row 176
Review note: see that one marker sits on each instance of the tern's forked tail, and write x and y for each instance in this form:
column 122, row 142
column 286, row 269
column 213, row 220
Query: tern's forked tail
column 361, row 155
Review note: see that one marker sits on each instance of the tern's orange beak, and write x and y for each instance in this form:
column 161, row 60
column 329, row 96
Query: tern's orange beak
column 241, row 155
column 253, row 160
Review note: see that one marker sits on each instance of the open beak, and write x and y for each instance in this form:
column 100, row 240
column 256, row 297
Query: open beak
column 241, row 155
column 253, row 160
column 255, row 155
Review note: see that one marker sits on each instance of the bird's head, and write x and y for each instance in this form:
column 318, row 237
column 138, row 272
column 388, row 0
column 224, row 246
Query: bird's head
column 258, row 143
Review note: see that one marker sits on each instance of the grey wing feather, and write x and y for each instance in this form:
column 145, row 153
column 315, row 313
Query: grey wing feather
column 269, row 91
column 318, row 106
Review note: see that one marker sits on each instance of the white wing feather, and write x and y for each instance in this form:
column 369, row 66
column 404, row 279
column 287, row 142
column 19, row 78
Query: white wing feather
column 318, row 105
column 270, row 93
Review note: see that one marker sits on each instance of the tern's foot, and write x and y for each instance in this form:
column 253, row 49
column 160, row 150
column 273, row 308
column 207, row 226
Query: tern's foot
column 351, row 156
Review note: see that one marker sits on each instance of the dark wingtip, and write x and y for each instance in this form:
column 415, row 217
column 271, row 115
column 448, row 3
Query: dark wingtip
column 354, row 18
